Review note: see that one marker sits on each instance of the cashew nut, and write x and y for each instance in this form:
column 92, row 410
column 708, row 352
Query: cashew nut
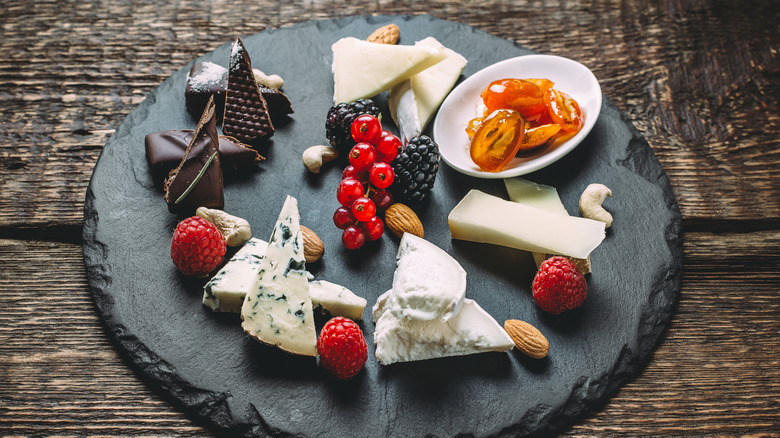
column 235, row 230
column 590, row 203
column 271, row 81
column 315, row 156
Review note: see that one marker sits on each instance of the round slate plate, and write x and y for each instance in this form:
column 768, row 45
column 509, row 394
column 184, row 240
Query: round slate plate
column 221, row 377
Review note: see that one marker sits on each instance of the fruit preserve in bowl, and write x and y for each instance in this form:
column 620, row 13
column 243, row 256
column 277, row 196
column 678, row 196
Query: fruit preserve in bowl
column 465, row 103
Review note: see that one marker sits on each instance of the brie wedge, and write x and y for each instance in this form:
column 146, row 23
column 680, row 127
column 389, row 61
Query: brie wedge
column 278, row 310
column 428, row 283
column 413, row 102
column 363, row 69
column 471, row 331
column 425, row 314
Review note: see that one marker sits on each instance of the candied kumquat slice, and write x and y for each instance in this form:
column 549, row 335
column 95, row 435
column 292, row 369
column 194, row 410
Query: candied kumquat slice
column 538, row 136
column 516, row 94
column 473, row 126
column 497, row 140
column 564, row 110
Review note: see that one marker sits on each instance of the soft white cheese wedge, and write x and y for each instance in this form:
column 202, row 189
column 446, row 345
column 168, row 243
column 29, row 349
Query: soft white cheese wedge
column 364, row 69
column 226, row 290
column 428, row 283
column 278, row 310
column 413, row 103
column 471, row 331
column 336, row 299
column 546, row 198
column 484, row 218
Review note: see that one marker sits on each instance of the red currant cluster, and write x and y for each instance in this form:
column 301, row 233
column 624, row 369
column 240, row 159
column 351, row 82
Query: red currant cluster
column 362, row 192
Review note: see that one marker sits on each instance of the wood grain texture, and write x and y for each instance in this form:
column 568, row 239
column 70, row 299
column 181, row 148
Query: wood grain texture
column 699, row 79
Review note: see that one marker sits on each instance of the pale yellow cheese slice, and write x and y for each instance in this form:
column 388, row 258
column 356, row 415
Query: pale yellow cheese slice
column 484, row 218
column 363, row 69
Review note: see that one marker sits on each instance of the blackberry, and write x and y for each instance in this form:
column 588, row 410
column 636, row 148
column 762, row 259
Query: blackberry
column 415, row 170
column 340, row 118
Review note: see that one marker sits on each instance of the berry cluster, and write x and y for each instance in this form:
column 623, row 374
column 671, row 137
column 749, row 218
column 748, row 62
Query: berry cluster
column 362, row 191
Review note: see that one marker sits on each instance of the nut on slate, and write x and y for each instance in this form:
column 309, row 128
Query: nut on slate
column 527, row 338
column 235, row 230
column 590, row 203
column 315, row 156
column 271, row 81
column 385, row 35
column 400, row 219
column 313, row 249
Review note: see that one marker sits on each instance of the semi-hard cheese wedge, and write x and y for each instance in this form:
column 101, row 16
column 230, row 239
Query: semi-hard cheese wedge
column 226, row 290
column 470, row 331
column 413, row 102
column 484, row 218
column 363, row 69
column 546, row 198
column 278, row 310
column 336, row 299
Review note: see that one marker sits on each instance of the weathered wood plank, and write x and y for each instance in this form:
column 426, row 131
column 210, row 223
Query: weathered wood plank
column 700, row 80
column 716, row 372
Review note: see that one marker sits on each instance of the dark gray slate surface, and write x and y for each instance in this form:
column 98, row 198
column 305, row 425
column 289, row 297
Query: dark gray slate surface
column 205, row 363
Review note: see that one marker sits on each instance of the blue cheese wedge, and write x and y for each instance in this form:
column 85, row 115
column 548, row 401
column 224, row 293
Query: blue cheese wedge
column 278, row 310
column 336, row 300
column 225, row 291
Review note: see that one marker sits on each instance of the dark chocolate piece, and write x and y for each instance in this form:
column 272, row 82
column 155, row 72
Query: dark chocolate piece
column 164, row 151
column 206, row 79
column 197, row 181
column 211, row 80
column 246, row 113
column 278, row 103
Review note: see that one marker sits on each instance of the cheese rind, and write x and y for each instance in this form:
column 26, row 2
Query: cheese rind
column 484, row 218
column 278, row 310
column 336, row 299
column 226, row 290
column 363, row 69
column 471, row 331
column 413, row 102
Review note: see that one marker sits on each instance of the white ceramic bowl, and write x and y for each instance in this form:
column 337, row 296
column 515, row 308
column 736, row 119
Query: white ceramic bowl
column 461, row 105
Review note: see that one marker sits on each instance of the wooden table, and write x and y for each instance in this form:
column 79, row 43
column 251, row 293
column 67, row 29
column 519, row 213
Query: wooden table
column 700, row 80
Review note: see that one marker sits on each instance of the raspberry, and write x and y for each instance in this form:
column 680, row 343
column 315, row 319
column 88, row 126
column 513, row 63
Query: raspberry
column 197, row 247
column 342, row 348
column 559, row 285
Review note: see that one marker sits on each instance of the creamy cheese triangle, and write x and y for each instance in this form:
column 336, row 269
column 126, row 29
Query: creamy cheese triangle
column 278, row 310
column 363, row 69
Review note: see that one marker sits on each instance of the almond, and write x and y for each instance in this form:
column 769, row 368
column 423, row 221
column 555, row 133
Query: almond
column 312, row 245
column 385, row 35
column 528, row 339
column 400, row 219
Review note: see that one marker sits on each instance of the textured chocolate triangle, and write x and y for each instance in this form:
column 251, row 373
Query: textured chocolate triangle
column 209, row 79
column 246, row 112
column 197, row 181
column 164, row 151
